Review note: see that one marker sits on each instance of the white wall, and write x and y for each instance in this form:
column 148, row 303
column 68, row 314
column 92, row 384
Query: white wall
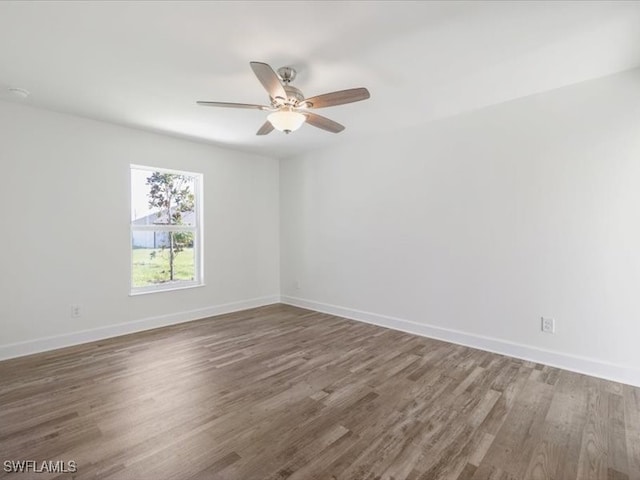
column 65, row 229
column 468, row 229
column 478, row 225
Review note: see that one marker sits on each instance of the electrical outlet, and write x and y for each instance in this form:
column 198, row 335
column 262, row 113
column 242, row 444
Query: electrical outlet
column 75, row 310
column 548, row 325
column 297, row 284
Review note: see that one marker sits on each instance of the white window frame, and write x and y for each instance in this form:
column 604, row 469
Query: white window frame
column 198, row 243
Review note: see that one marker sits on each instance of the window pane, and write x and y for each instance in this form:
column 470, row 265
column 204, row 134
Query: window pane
column 160, row 257
column 162, row 198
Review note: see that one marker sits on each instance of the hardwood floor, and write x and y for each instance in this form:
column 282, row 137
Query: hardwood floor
column 284, row 393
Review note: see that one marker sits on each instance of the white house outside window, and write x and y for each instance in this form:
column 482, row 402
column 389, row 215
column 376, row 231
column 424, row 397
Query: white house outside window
column 166, row 229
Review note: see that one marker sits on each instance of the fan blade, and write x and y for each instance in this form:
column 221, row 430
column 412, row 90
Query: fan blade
column 323, row 123
column 232, row 105
column 269, row 79
column 338, row 98
column 265, row 129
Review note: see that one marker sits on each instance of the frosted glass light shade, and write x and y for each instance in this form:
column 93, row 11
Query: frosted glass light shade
column 286, row 120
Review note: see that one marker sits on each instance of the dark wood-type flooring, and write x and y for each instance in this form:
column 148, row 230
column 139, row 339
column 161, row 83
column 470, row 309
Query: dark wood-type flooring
column 284, row 393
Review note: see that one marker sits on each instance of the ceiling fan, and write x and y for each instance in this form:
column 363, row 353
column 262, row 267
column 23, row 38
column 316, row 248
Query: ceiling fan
column 288, row 106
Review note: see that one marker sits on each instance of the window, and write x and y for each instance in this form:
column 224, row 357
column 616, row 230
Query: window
column 166, row 229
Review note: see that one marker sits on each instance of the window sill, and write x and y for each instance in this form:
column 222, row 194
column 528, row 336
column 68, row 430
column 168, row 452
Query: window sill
column 145, row 291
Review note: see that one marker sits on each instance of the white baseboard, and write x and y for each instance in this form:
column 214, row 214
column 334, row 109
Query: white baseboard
column 59, row 341
column 584, row 365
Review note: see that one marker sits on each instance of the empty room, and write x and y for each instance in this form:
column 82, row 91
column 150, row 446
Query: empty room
column 331, row 240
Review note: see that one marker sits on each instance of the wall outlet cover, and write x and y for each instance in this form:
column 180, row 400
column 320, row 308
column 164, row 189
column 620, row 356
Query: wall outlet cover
column 548, row 325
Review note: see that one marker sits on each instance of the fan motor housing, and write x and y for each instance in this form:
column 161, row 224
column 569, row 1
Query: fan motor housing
column 293, row 93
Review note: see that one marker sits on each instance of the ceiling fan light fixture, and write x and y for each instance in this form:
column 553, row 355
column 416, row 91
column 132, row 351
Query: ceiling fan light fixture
column 286, row 121
column 287, row 101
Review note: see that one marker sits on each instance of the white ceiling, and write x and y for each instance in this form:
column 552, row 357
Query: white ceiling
column 144, row 64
